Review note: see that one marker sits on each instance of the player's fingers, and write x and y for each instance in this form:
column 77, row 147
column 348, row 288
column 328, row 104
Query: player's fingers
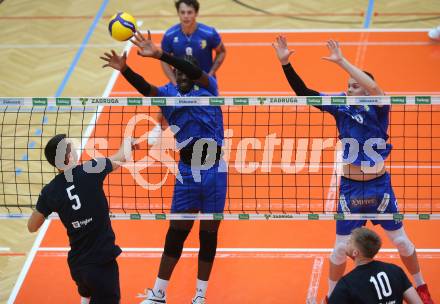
column 137, row 36
column 135, row 42
column 149, row 35
column 124, row 55
column 108, row 55
column 105, row 59
column 105, row 65
column 114, row 53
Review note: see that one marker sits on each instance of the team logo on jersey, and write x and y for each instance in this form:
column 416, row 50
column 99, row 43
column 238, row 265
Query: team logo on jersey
column 189, row 51
column 203, row 44
column 176, row 39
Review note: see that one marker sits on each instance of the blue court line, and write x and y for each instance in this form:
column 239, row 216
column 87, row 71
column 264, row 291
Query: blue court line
column 81, row 48
column 369, row 15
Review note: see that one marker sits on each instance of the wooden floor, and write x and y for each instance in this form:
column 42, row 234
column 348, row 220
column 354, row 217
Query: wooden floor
column 52, row 47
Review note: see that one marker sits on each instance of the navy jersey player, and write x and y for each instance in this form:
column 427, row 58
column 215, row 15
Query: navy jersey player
column 365, row 185
column 77, row 195
column 202, row 187
column 372, row 281
column 191, row 38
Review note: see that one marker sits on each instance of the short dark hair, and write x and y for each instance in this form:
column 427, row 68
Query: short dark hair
column 369, row 75
column 50, row 151
column 367, row 241
column 194, row 3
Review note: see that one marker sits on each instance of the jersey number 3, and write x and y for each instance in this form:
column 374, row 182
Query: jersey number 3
column 75, row 197
column 384, row 282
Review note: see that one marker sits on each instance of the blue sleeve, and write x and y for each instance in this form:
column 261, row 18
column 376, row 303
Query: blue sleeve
column 162, row 91
column 43, row 205
column 329, row 108
column 213, row 88
column 167, row 44
column 215, row 39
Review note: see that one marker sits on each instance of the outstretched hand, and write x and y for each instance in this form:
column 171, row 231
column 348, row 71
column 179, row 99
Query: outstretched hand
column 146, row 46
column 115, row 61
column 335, row 52
column 282, row 50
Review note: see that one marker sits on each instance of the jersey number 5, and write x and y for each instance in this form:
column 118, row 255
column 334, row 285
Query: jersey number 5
column 385, row 288
column 75, row 197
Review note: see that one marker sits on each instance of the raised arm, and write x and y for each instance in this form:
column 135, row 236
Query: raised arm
column 124, row 153
column 362, row 78
column 137, row 81
column 168, row 72
column 296, row 83
column 220, row 54
column 148, row 49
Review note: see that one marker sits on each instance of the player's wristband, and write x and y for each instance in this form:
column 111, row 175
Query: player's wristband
column 193, row 72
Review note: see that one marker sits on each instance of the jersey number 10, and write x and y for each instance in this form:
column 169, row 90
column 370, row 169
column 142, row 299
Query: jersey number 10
column 75, row 197
column 384, row 282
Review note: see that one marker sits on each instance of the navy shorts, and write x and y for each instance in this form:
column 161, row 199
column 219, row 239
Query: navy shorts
column 99, row 282
column 374, row 196
column 206, row 195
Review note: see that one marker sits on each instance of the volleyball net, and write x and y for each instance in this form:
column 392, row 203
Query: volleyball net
column 281, row 153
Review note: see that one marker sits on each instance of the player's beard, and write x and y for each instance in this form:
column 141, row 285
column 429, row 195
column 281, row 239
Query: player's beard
column 185, row 85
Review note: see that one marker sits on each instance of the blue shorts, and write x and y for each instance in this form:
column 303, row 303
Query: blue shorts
column 207, row 195
column 374, row 196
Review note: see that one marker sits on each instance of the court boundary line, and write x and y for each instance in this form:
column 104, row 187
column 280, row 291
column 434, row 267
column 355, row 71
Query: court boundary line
column 27, row 264
column 311, row 30
column 228, row 44
column 81, row 49
column 251, row 250
column 369, row 14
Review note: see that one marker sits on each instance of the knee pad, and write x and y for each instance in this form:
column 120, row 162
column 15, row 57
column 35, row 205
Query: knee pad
column 208, row 245
column 339, row 255
column 401, row 241
column 174, row 242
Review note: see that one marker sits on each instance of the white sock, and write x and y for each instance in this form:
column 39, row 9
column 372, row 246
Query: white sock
column 201, row 288
column 85, row 300
column 418, row 278
column 331, row 286
column 160, row 287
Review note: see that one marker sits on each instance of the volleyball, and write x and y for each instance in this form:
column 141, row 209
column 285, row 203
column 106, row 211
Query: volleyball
column 122, row 26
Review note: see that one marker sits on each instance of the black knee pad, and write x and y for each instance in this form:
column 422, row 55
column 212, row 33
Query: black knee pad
column 174, row 242
column 208, row 245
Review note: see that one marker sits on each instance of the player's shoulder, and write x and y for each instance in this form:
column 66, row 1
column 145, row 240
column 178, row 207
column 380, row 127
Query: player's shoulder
column 172, row 30
column 387, row 266
column 51, row 188
column 206, row 29
column 168, row 89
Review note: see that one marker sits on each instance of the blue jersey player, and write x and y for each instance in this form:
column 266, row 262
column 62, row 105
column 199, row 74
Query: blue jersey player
column 76, row 194
column 202, row 187
column 191, row 38
column 365, row 185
